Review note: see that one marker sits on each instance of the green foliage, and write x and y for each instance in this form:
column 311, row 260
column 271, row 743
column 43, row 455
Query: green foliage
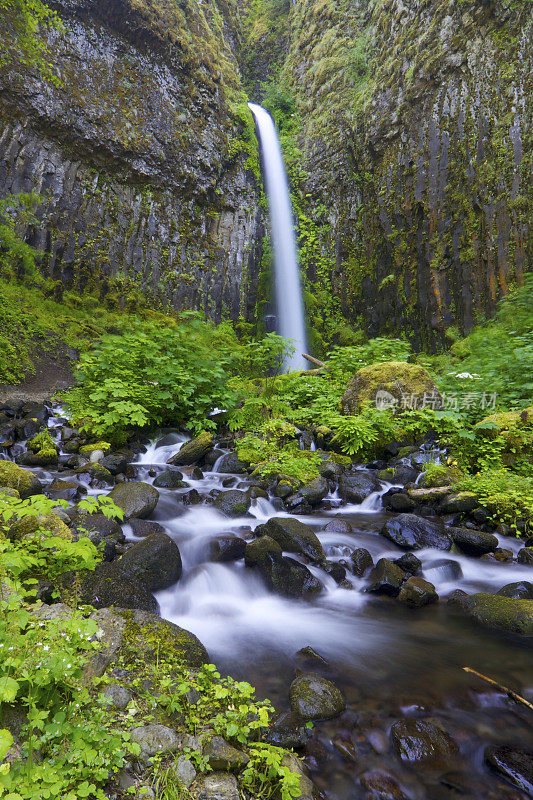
column 507, row 496
column 157, row 374
column 271, row 459
column 17, row 212
column 24, row 20
column 266, row 776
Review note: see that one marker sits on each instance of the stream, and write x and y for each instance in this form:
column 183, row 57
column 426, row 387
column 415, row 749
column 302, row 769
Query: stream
column 391, row 661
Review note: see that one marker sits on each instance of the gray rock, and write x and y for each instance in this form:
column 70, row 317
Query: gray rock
column 399, row 501
column 155, row 560
column 385, row 578
column 414, row 533
column 155, row 738
column 354, row 487
column 314, row 697
column 443, row 569
column 227, row 548
column 145, row 527
column 97, row 527
column 233, row 503
column 416, row 592
column 135, row 498
column 117, row 696
column 216, row 786
column 170, row 479
column 293, row 536
column 339, row 525
column 183, row 771
column 223, row 756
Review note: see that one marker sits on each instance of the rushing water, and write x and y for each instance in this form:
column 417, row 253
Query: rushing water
column 391, row 661
column 289, row 302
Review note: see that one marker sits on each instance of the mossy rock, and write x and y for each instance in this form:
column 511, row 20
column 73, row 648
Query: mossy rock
column 516, row 430
column 314, row 698
column 24, row 481
column 193, row 451
column 50, row 523
column 397, row 378
column 135, row 498
column 496, row 611
column 7, row 490
column 43, row 441
column 87, row 449
column 440, row 475
column 147, row 637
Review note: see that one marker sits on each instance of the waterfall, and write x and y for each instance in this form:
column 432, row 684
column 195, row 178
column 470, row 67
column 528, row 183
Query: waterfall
column 289, row 302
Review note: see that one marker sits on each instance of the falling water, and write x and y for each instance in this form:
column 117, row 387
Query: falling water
column 289, row 303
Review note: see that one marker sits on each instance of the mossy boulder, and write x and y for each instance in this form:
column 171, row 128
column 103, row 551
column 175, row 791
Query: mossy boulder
column 50, row 524
column 293, row 536
column 497, row 611
column 109, row 586
column 416, row 592
column 156, row 560
column 314, row 697
column 233, row 503
column 87, row 449
column 192, row 452
column 472, row 542
column 515, row 428
column 42, row 451
column 24, row 481
column 390, row 378
column 257, row 551
column 135, row 498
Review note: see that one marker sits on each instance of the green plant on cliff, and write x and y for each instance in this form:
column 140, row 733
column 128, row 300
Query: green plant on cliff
column 24, row 21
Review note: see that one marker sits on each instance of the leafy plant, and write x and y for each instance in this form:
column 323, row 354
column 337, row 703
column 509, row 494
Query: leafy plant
column 266, row 775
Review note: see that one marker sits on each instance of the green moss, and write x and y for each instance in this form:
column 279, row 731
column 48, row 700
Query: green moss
column 87, row 449
column 398, row 378
column 49, row 524
column 20, row 479
column 153, row 640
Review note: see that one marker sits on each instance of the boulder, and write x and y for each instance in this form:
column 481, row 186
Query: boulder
column 144, row 527
column 457, row 503
column 154, row 739
column 386, row 381
column 354, row 487
column 135, row 498
column 472, row 542
column 521, row 590
column 414, row 533
column 338, row 525
column 525, row 556
column 24, row 481
column 230, row 464
column 192, row 452
column 288, row 577
column 385, row 578
column 416, row 592
column 420, row 740
column 362, row 561
column 398, row 501
column 227, row 548
column 49, row 524
column 109, row 586
column 155, row 560
column 428, row 496
column 117, row 696
column 64, row 490
column 223, row 756
column 233, row 503
column 314, row 697
column 216, row 786
column 257, row 551
column 170, row 479
column 97, row 527
column 409, row 563
column 514, row 764
column 293, row 536
column 117, row 463
column 312, row 493
column 497, row 611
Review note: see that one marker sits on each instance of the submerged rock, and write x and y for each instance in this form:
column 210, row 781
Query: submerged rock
column 420, row 740
column 414, row 533
column 135, row 498
column 314, row 698
column 497, row 611
column 380, row 786
column 293, row 536
column 155, row 560
column 193, row 451
column 513, row 763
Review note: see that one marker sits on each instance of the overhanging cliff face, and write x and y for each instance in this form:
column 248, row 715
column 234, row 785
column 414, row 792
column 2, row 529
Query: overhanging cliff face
column 140, row 155
column 416, row 129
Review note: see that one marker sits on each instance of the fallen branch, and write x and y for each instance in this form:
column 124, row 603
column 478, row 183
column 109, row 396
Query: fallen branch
column 313, row 360
column 509, row 692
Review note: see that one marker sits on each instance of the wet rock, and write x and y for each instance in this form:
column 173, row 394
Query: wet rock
column 97, row 527
column 190, row 498
column 314, row 697
column 338, row 525
column 64, row 490
column 354, row 487
column 233, row 503
column 380, row 786
column 117, row 696
column 95, row 473
column 117, row 463
column 428, row 496
column 135, row 498
column 230, row 464
column 414, row 533
column 286, row 731
column 155, row 738
column 457, row 503
column 514, row 764
column 525, row 556
column 398, row 501
column 256, row 552
column 227, row 548
column 416, row 592
column 288, row 577
column 497, row 611
column 170, row 479
column 501, row 555
column 192, row 452
column 293, row 536
column 443, row 569
column 331, row 470
column 145, row 527
column 362, row 561
column 387, row 380
column 420, row 740
column 155, row 560
column 335, row 570
column 472, row 542
column 216, row 786
column 24, row 481
column 311, row 493
column 521, row 590
column 223, row 756
column 385, row 578
column 399, row 473
column 109, row 586
column 409, row 563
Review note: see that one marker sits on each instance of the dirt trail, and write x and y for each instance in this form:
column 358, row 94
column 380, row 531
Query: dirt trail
column 53, row 372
